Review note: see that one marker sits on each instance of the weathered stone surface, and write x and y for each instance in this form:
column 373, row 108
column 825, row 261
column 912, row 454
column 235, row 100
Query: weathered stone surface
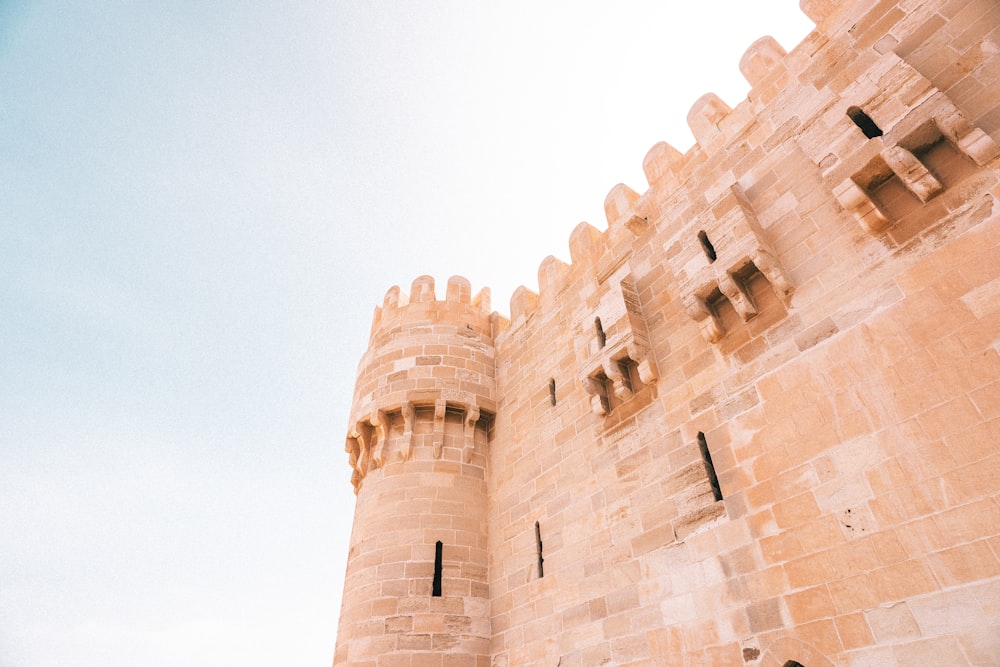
column 799, row 316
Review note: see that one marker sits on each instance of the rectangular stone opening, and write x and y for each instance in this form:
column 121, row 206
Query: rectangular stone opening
column 538, row 544
column 436, row 586
column 706, row 456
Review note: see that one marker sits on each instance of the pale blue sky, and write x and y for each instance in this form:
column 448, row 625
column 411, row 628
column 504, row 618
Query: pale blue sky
column 200, row 206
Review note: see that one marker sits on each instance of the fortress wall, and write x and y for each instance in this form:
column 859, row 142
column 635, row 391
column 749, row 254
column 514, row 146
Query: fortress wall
column 809, row 299
column 846, row 390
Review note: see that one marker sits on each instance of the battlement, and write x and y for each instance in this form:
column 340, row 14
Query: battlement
column 753, row 418
column 814, row 102
column 422, row 305
column 629, row 214
column 427, row 359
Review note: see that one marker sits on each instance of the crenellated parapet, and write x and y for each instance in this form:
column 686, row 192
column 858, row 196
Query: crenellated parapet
column 768, row 378
column 871, row 133
column 429, row 362
column 599, row 254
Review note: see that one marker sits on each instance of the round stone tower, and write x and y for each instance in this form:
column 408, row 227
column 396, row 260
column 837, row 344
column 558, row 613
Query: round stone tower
column 416, row 585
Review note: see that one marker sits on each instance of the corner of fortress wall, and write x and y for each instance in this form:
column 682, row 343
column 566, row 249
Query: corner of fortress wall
column 801, row 99
column 752, row 421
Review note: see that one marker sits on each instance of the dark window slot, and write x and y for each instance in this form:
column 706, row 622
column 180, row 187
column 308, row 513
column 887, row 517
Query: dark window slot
column 709, row 468
column 538, row 542
column 436, row 589
column 707, row 246
column 864, row 121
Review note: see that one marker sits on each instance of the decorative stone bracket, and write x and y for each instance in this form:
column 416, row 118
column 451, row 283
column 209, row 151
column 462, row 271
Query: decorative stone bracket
column 472, row 415
column 440, row 410
column 408, row 413
column 358, row 446
column 614, row 343
column 731, row 244
column 366, row 440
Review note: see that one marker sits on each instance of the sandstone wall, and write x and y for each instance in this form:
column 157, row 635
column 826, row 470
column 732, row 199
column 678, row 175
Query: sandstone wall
column 753, row 421
column 819, row 306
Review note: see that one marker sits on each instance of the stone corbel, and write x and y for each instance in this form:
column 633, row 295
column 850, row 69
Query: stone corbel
column 855, row 201
column 363, row 443
column 771, row 267
column 644, row 363
column 407, row 412
column 359, row 454
column 595, row 389
column 969, row 139
column 619, row 337
column 353, row 448
column 912, row 173
column 379, row 422
column 934, row 117
column 440, row 408
column 471, row 419
column 618, row 381
column 736, row 295
column 740, row 250
column 699, row 311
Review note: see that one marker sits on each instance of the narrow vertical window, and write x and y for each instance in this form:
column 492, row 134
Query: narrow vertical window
column 436, row 589
column 538, row 543
column 552, row 390
column 709, row 468
column 865, row 122
column 602, row 339
column 707, row 246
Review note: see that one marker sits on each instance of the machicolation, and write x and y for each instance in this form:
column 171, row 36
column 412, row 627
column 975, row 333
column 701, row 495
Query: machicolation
column 753, row 422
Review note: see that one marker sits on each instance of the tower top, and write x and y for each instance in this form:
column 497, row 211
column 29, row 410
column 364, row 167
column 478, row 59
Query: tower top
column 421, row 305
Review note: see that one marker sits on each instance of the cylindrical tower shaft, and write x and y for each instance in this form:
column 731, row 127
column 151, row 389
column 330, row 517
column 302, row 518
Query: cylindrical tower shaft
column 416, row 586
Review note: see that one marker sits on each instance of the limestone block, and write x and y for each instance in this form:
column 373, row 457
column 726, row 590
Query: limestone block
column 763, row 57
column 482, row 299
column 704, row 117
column 584, row 243
column 422, row 289
column 660, row 161
column 819, row 11
column 912, row 172
column 970, row 140
column 523, row 302
column 459, row 290
column 619, row 203
column 857, row 203
column 550, row 276
column 393, row 299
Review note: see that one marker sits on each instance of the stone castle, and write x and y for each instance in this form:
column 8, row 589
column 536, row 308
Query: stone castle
column 755, row 421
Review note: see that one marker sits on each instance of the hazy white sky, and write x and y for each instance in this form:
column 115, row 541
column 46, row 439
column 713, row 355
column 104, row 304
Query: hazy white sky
column 200, row 205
